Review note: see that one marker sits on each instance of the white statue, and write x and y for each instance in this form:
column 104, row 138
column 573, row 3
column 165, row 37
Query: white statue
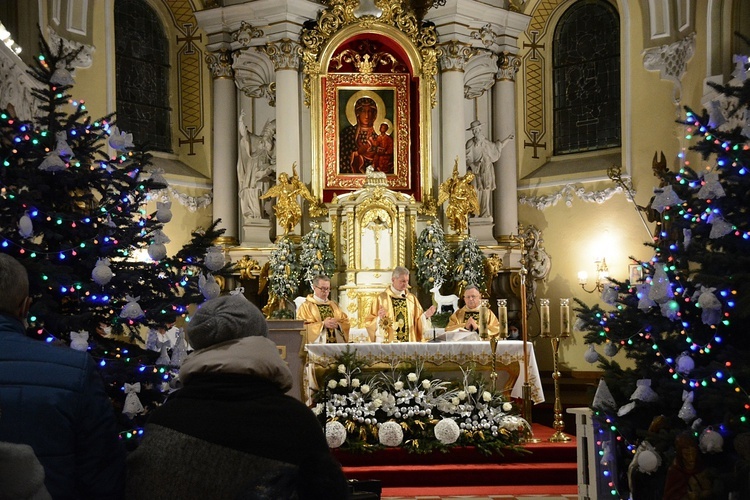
column 256, row 165
column 481, row 153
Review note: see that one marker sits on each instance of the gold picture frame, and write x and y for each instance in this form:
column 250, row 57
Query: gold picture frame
column 635, row 273
column 344, row 165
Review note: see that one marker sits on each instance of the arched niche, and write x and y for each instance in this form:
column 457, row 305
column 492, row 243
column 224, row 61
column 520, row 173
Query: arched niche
column 390, row 59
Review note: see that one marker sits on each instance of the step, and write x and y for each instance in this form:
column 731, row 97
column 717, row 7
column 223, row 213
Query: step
column 458, row 474
column 443, row 491
column 542, row 452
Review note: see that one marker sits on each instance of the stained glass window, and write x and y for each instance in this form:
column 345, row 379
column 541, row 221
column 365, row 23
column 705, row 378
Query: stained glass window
column 586, row 78
column 142, row 67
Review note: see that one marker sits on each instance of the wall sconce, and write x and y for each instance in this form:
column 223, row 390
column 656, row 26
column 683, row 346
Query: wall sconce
column 602, row 273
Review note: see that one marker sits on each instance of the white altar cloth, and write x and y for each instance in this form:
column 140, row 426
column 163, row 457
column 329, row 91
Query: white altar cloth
column 437, row 353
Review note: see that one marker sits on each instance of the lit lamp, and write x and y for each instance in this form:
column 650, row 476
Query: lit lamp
column 602, row 273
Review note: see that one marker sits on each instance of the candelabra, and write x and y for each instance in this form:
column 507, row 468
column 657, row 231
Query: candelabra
column 602, row 273
column 558, row 424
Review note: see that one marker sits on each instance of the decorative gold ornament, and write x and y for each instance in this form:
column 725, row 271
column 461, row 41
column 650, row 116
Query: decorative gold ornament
column 287, row 209
column 249, row 268
column 462, row 200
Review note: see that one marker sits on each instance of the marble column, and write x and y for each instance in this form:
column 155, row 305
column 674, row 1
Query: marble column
column 286, row 55
column 452, row 61
column 224, row 145
column 452, row 127
column 505, row 197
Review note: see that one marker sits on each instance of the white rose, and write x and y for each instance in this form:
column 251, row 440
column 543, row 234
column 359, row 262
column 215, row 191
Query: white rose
column 398, row 385
column 426, row 384
column 343, row 382
column 365, row 389
column 507, row 406
column 472, row 389
column 486, row 396
column 412, row 377
column 342, row 369
column 355, row 382
column 318, row 409
column 455, row 401
column 461, row 395
column 332, row 384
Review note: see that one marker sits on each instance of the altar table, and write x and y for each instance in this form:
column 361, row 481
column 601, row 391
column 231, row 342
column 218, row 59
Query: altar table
column 436, row 354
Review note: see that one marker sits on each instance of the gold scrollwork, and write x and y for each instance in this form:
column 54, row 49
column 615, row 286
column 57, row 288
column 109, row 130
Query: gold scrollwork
column 249, row 268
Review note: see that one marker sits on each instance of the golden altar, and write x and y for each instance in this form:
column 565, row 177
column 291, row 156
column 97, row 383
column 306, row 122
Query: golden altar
column 437, row 357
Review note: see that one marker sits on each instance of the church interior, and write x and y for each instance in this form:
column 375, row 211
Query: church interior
column 554, row 114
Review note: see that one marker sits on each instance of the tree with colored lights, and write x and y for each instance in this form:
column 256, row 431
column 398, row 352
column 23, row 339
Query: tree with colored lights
column 684, row 328
column 75, row 217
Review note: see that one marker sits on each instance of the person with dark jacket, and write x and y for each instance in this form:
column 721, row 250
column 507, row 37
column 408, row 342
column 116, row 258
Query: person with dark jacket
column 52, row 398
column 231, row 431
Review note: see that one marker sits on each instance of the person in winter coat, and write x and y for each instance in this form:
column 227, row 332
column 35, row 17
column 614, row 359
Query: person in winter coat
column 231, row 431
column 52, row 398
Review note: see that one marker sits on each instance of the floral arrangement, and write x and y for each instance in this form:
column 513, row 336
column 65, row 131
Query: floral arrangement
column 408, row 407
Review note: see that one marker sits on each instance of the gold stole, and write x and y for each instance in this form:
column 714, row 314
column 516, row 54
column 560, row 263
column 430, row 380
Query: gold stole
column 326, row 312
column 401, row 315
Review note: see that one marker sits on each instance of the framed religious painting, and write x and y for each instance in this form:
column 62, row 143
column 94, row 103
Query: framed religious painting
column 366, row 128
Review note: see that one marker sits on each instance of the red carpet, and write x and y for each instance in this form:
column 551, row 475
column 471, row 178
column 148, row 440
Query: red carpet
column 550, row 468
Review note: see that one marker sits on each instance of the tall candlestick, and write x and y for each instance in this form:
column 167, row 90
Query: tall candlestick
column 564, row 317
column 502, row 316
column 544, row 316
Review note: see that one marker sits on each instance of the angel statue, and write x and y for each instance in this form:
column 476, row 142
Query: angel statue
column 287, row 209
column 462, row 199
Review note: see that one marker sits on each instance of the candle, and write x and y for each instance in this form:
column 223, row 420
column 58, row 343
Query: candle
column 544, row 313
column 564, row 317
column 502, row 313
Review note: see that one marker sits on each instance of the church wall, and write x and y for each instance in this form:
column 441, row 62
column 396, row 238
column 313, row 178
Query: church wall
column 571, row 234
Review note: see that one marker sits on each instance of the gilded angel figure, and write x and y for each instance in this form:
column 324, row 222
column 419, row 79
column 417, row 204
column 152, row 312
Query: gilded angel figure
column 287, row 209
column 462, row 199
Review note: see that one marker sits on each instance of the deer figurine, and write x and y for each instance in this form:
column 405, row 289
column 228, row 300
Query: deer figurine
column 443, row 300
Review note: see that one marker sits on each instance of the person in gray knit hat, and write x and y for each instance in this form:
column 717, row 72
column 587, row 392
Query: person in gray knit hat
column 232, row 417
column 225, row 318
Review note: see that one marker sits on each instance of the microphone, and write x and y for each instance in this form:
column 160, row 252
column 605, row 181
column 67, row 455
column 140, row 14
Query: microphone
column 403, row 295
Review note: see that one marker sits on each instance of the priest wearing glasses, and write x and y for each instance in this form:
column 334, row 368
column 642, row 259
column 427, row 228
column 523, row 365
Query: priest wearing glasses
column 325, row 321
column 467, row 318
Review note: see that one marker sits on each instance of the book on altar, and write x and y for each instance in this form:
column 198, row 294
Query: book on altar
column 460, row 335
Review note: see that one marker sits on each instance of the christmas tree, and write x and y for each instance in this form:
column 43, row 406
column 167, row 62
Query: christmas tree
column 684, row 328
column 432, row 257
column 75, row 217
column 316, row 256
column 468, row 265
column 283, row 278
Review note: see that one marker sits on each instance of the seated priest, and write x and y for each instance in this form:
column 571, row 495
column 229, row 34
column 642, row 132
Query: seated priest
column 325, row 321
column 396, row 313
column 467, row 317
